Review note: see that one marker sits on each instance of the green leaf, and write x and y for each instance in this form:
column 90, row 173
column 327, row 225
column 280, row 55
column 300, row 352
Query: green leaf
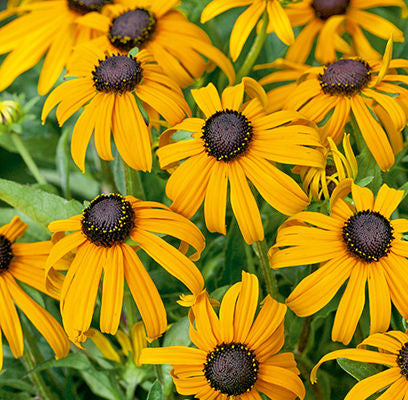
column 155, row 392
column 40, row 206
column 365, row 181
column 133, row 51
column 77, row 361
column 357, row 369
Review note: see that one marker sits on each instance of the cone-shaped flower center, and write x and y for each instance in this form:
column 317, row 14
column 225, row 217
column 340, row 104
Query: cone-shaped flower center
column 226, row 134
column 345, row 77
column 117, row 74
column 402, row 360
column 231, row 368
column 5, row 253
column 132, row 29
column 85, row 6
column 324, row 9
column 108, row 220
column 368, row 235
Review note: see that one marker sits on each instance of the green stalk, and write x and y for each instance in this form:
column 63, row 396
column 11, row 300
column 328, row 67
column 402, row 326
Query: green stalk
column 270, row 280
column 29, row 362
column 255, row 49
column 133, row 182
column 25, row 155
column 157, row 368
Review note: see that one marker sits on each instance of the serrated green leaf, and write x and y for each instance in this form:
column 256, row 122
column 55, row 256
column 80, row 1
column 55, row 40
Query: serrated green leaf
column 40, row 206
column 358, row 370
column 156, row 391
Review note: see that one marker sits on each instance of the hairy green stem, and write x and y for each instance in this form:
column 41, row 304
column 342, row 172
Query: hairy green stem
column 133, row 181
column 270, row 280
column 25, row 155
column 29, row 361
column 255, row 49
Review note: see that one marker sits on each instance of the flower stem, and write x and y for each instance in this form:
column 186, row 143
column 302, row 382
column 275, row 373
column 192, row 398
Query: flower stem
column 270, row 280
column 157, row 368
column 133, row 181
column 29, row 361
column 25, row 155
column 255, row 49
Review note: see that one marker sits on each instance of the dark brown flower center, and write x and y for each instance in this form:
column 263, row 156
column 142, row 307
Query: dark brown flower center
column 85, row 6
column 345, row 77
column 368, row 235
column 324, row 9
column 402, row 360
column 132, row 29
column 117, row 74
column 231, row 369
column 5, row 253
column 108, row 220
column 226, row 134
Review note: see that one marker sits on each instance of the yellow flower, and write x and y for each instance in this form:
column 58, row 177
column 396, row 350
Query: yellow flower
column 319, row 183
column 352, row 88
column 329, row 20
column 50, row 28
column 99, row 240
column 110, row 84
column 25, row 262
column 175, row 43
column 357, row 243
column 236, row 142
column 393, row 352
column 278, row 20
column 236, row 356
column 130, row 346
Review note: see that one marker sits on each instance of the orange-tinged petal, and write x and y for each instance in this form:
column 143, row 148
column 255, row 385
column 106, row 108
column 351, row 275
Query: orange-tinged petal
column 145, row 294
column 173, row 355
column 387, row 200
column 384, row 342
column 112, row 290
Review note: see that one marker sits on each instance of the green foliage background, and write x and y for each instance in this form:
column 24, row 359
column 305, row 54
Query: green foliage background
column 87, row 374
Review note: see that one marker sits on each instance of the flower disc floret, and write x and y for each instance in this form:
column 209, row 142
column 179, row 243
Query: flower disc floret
column 324, row 9
column 108, row 220
column 85, row 6
column 402, row 360
column 6, row 253
column 117, row 74
column 345, row 77
column 226, row 134
column 132, row 29
column 231, row 369
column 368, row 235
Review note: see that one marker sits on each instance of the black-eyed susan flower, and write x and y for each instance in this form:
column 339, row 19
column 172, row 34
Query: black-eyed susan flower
column 50, row 28
column 278, row 21
column 25, row 262
column 236, row 356
column 236, row 142
column 357, row 243
column 330, row 20
column 356, row 88
column 319, row 183
column 176, row 44
column 392, row 352
column 112, row 84
column 99, row 240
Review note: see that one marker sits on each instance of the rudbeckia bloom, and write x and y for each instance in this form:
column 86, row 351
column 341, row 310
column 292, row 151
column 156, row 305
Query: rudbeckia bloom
column 319, row 183
column 236, row 356
column 329, row 20
column 357, row 243
column 360, row 89
column 393, row 353
column 99, row 240
column 234, row 142
column 156, row 26
column 44, row 27
column 278, row 21
column 25, row 262
column 110, row 84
